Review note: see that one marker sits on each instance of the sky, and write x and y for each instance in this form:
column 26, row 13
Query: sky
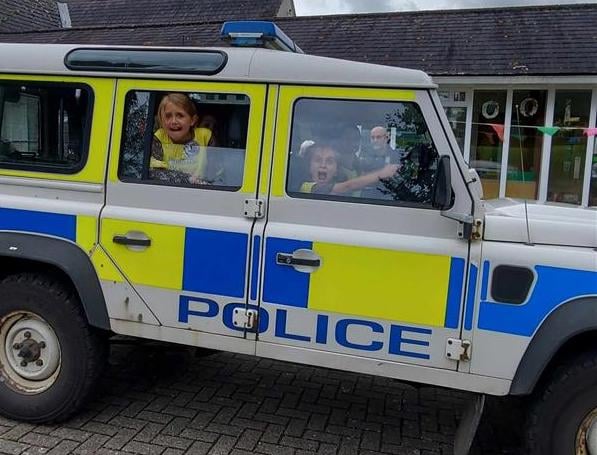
column 316, row 7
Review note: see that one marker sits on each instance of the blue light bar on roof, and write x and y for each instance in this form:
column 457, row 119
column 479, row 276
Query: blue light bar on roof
column 257, row 34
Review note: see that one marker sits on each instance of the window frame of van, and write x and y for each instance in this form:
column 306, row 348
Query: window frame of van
column 352, row 199
column 148, row 139
column 85, row 136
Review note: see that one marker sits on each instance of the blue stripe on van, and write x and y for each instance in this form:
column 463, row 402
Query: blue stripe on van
column 255, row 267
column 215, row 262
column 553, row 287
column 284, row 285
column 56, row 224
column 454, row 293
column 470, row 299
column 485, row 281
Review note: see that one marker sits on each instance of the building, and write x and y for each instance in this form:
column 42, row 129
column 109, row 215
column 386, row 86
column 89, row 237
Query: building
column 519, row 85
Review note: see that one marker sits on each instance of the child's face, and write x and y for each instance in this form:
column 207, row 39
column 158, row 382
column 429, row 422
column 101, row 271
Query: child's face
column 323, row 166
column 178, row 123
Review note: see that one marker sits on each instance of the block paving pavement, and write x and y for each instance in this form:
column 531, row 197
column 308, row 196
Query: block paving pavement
column 160, row 399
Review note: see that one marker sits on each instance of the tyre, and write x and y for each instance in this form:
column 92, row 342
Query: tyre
column 563, row 417
column 50, row 357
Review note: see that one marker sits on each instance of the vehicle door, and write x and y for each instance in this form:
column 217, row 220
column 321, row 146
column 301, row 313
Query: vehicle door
column 182, row 241
column 360, row 275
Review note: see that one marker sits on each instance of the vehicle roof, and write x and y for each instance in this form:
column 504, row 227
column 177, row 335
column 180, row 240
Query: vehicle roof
column 243, row 64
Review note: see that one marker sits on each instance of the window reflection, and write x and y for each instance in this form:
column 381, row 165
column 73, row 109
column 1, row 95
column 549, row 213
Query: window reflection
column 569, row 145
column 487, row 138
column 526, row 143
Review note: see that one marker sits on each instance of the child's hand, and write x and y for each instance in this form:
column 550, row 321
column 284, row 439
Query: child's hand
column 196, row 180
column 388, row 171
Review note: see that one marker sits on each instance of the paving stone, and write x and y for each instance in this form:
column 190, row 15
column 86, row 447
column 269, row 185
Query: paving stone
column 172, row 441
column 17, row 432
column 65, row 447
column 42, row 440
column 92, row 445
column 143, row 448
column 11, row 447
column 101, row 428
column 70, row 433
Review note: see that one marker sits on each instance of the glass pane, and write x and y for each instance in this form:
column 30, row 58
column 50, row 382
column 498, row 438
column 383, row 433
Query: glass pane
column 185, row 139
column 526, row 142
column 457, row 118
column 487, row 138
column 148, row 61
column 361, row 151
column 569, row 146
column 43, row 127
column 593, row 187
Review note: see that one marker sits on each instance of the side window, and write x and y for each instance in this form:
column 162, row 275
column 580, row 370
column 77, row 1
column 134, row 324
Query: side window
column 184, row 139
column 44, row 126
column 361, row 151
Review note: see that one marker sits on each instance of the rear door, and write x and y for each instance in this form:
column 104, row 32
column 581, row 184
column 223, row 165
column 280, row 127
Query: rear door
column 361, row 277
column 183, row 246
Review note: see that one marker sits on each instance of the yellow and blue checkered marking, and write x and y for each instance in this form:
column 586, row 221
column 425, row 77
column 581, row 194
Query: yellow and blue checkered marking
column 368, row 282
column 55, row 224
column 554, row 286
column 215, row 262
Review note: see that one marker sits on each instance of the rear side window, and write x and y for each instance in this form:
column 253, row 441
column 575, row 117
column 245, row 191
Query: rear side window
column 44, row 126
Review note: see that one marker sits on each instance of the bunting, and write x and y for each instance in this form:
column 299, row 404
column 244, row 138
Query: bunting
column 499, row 130
column 590, row 132
column 549, row 130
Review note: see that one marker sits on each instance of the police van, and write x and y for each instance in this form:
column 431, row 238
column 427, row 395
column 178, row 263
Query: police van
column 271, row 203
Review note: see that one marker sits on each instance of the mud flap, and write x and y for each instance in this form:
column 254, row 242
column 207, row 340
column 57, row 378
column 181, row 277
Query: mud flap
column 465, row 433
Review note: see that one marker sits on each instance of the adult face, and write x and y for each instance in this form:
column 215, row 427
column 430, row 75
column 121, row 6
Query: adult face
column 379, row 138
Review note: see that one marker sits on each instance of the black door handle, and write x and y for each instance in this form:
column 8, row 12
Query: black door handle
column 124, row 240
column 289, row 259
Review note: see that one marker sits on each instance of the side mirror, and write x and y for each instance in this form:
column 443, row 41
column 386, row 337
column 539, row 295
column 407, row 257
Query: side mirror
column 441, row 197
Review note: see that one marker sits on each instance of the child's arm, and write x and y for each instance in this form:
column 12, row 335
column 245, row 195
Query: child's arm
column 364, row 180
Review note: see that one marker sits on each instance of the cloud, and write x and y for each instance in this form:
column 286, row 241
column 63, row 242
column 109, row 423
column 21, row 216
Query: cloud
column 315, row 7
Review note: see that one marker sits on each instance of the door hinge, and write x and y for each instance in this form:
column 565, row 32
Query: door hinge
column 244, row 318
column 254, row 208
column 470, row 230
column 458, row 349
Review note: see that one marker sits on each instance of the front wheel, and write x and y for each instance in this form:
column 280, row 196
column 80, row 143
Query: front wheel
column 49, row 356
column 563, row 418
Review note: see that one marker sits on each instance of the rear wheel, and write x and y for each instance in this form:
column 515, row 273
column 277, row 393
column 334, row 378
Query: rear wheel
column 49, row 356
column 563, row 418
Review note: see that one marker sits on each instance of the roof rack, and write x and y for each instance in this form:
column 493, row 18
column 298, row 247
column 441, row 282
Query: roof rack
column 258, row 34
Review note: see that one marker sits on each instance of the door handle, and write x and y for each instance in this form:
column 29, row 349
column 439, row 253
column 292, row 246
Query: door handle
column 129, row 241
column 291, row 260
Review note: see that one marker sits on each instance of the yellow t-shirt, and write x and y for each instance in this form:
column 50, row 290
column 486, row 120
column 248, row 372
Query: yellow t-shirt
column 183, row 157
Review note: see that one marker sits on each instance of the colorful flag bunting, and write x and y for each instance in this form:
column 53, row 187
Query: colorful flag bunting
column 549, row 130
column 499, row 130
column 590, row 132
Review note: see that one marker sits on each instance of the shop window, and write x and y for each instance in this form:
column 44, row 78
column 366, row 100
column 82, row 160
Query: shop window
column 526, row 143
column 569, row 146
column 43, row 126
column 457, row 118
column 185, row 139
column 361, row 151
column 487, row 137
column 593, row 184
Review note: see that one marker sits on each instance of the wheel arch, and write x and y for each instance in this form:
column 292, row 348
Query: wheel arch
column 567, row 331
column 26, row 252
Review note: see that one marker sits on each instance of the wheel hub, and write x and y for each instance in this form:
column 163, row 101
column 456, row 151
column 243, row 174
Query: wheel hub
column 31, row 352
column 586, row 437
